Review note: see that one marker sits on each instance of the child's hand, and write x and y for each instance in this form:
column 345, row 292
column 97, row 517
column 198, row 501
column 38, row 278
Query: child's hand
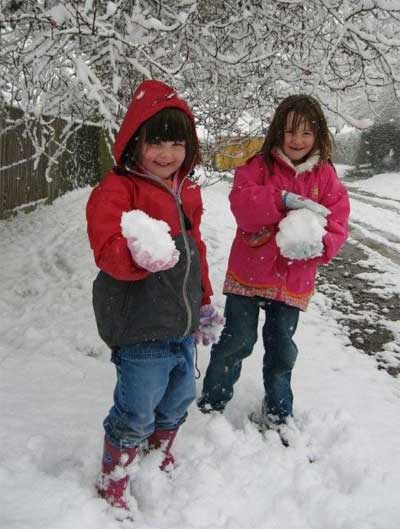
column 294, row 201
column 208, row 330
column 147, row 261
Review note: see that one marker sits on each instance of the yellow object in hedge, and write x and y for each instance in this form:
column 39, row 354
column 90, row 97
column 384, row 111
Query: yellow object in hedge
column 236, row 153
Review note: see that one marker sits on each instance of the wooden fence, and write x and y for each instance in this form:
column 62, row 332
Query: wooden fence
column 23, row 181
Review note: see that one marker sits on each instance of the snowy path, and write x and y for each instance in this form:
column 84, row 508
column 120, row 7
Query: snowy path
column 375, row 215
column 56, row 385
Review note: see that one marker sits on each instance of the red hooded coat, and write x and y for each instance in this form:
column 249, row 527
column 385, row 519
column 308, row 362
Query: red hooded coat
column 131, row 304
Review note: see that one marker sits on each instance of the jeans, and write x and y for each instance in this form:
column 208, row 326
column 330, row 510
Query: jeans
column 155, row 386
column 237, row 340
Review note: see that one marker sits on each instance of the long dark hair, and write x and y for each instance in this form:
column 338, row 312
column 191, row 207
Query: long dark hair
column 170, row 124
column 304, row 108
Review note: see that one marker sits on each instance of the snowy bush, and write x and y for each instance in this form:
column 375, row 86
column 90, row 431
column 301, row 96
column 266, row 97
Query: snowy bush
column 347, row 147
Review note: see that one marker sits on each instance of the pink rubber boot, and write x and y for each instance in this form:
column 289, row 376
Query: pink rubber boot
column 110, row 487
column 164, row 439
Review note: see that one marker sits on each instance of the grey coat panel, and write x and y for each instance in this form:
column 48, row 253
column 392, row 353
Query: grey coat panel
column 163, row 305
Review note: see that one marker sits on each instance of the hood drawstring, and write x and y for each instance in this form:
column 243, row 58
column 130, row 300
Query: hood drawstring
column 196, row 355
column 175, row 182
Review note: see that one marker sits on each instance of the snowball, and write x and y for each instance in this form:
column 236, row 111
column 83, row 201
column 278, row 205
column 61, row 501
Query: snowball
column 300, row 234
column 111, row 9
column 59, row 14
column 151, row 236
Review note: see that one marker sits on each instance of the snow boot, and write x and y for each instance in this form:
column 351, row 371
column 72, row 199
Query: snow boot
column 265, row 421
column 163, row 439
column 206, row 407
column 113, row 481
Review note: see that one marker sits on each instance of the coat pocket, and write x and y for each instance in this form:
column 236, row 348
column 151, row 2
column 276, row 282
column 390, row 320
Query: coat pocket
column 257, row 239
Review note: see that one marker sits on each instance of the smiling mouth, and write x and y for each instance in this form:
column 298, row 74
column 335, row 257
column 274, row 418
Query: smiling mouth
column 162, row 165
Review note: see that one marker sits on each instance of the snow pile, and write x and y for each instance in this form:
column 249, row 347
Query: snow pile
column 385, row 185
column 300, row 234
column 148, row 238
column 59, row 14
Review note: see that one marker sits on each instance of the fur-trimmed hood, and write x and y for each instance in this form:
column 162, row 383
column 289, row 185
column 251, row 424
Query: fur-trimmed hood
column 311, row 162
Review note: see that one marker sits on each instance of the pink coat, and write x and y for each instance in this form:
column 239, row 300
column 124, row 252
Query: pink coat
column 256, row 267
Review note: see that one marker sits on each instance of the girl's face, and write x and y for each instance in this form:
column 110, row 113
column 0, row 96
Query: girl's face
column 163, row 159
column 297, row 143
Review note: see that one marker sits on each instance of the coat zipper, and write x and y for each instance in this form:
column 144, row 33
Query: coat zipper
column 177, row 197
column 283, row 278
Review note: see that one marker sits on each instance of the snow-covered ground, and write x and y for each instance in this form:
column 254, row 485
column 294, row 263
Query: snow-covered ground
column 56, row 386
column 386, row 185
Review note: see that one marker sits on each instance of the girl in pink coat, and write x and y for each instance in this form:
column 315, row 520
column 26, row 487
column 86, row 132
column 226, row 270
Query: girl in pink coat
column 292, row 172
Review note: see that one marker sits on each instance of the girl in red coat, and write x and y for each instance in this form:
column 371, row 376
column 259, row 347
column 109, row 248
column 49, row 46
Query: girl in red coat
column 292, row 172
column 147, row 304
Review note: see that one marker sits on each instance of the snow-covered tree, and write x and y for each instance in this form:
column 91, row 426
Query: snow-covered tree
column 231, row 59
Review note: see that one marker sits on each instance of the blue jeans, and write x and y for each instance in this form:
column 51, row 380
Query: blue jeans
column 237, row 340
column 155, row 386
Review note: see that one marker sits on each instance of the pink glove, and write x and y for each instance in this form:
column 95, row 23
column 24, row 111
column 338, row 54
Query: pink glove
column 145, row 260
column 208, row 329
